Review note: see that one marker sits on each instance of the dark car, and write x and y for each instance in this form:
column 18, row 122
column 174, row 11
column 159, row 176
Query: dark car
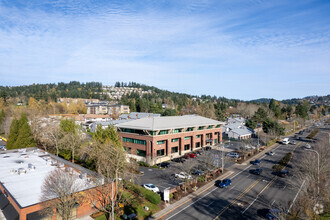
column 186, row 156
column 224, row 183
column 179, row 160
column 164, row 164
column 255, row 162
column 197, row 172
column 257, row 171
column 273, row 214
column 208, row 148
column 283, row 173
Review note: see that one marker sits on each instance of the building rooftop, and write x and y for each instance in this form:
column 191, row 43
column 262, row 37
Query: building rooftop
column 23, row 171
column 137, row 115
column 169, row 122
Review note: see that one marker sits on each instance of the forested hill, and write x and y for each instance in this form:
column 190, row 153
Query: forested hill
column 53, row 91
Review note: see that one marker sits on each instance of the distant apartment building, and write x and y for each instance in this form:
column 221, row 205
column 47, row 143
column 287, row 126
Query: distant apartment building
column 72, row 100
column 117, row 92
column 104, row 108
column 118, row 109
column 157, row 139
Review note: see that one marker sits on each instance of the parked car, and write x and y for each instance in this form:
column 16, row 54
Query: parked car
column 208, row 148
column 273, row 214
column 192, row 155
column 151, row 187
column 257, row 171
column 255, row 162
column 197, row 172
column 293, row 142
column 186, row 156
column 3, row 148
column 164, row 164
column 308, row 146
column 224, row 183
column 183, row 175
column 179, row 160
column 233, row 155
column 271, row 153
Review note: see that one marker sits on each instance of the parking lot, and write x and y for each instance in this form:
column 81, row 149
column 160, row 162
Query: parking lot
column 165, row 177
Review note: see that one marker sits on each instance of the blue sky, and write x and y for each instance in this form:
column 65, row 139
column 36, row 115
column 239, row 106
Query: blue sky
column 243, row 49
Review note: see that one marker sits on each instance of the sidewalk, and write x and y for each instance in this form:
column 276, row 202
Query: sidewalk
column 177, row 204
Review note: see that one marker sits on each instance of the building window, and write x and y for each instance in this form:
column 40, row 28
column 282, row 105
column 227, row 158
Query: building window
column 186, row 146
column 163, row 132
column 189, row 129
column 218, row 126
column 175, row 139
column 200, row 128
column 215, row 141
column 161, row 142
column 153, row 133
column 187, row 138
column 135, row 141
column 141, row 153
column 210, row 127
column 176, row 131
column 198, row 144
column 174, row 150
column 160, row 152
column 198, row 136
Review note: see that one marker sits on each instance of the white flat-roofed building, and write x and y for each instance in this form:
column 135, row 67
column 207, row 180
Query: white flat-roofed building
column 22, row 173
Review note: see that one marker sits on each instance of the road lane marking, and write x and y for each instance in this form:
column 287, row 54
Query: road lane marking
column 272, row 203
column 237, row 198
column 226, row 174
column 232, row 188
column 241, row 171
column 296, row 196
column 250, row 204
column 191, row 204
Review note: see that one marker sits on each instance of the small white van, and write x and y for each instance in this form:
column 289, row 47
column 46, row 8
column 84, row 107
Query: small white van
column 285, row 141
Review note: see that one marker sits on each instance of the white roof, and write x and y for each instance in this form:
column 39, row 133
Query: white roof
column 242, row 131
column 26, row 187
column 169, row 122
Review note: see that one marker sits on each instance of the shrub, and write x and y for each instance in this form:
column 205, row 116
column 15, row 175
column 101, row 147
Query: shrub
column 286, row 159
column 278, row 167
column 201, row 179
column 313, row 133
column 143, row 164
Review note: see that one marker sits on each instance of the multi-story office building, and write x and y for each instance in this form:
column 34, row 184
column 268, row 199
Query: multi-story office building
column 157, row 139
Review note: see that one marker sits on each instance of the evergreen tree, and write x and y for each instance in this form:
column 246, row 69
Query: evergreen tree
column 13, row 134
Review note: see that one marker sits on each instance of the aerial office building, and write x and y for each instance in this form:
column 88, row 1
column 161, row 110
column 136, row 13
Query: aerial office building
column 157, row 139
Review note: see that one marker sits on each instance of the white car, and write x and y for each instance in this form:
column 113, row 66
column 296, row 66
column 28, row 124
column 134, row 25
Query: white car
column 308, row 146
column 151, row 187
column 233, row 155
column 271, row 153
column 183, row 175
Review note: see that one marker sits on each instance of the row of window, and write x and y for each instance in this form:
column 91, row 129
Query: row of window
column 135, row 141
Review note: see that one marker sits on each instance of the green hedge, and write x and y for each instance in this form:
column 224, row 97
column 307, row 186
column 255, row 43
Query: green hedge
column 143, row 192
column 286, row 159
column 313, row 133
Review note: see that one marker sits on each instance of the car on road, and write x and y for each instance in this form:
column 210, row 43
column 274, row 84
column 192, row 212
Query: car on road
column 224, row 183
column 271, row 153
column 293, row 142
column 183, row 175
column 192, row 155
column 179, row 160
column 257, row 171
column 273, row 214
column 282, row 173
column 3, row 148
column 151, row 187
column 308, row 146
column 233, row 155
column 164, row 165
column 197, row 172
column 255, row 162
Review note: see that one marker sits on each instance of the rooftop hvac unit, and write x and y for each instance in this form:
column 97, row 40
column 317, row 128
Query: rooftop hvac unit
column 68, row 169
column 21, row 171
column 83, row 176
column 31, row 166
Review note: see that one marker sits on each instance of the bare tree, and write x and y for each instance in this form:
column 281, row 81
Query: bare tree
column 72, row 141
column 112, row 165
column 60, row 191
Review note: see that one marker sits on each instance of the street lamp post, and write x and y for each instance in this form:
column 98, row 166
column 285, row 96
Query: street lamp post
column 318, row 170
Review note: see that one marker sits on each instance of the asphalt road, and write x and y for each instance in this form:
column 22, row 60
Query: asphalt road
column 247, row 196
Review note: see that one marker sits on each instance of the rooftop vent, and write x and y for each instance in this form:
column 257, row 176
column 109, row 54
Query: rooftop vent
column 31, row 167
column 19, row 161
column 21, row 171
